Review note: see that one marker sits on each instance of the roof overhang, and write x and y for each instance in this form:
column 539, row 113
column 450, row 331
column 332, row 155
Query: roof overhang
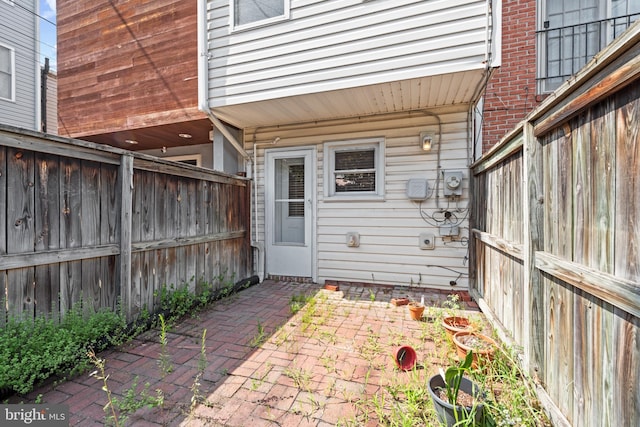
column 405, row 95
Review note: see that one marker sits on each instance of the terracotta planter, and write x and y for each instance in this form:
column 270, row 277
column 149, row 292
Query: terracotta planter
column 454, row 324
column 416, row 310
column 405, row 357
column 483, row 347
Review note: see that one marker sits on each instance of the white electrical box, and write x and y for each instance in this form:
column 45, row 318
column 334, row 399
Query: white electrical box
column 427, row 241
column 353, row 239
column 449, row 230
column 417, row 188
column 452, row 183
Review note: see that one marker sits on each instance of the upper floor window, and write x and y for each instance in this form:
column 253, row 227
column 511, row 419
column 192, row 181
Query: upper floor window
column 7, row 75
column 571, row 32
column 354, row 169
column 258, row 12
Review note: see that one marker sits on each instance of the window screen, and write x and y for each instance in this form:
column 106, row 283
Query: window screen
column 248, row 11
column 355, row 170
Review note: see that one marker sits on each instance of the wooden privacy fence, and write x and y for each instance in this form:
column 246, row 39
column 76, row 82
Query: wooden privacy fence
column 556, row 241
column 82, row 222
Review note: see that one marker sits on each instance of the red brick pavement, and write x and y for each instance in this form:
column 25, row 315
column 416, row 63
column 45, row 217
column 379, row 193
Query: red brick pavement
column 310, row 370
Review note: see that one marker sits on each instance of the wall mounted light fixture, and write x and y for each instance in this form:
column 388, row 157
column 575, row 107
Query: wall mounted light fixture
column 426, row 140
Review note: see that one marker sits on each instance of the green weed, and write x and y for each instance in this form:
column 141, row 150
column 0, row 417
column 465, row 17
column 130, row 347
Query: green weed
column 260, row 337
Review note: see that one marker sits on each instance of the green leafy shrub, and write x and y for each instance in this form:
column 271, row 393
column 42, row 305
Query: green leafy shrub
column 33, row 350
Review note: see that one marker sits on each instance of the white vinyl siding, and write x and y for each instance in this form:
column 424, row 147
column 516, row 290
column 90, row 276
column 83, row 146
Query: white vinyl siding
column 18, row 30
column 389, row 229
column 330, row 45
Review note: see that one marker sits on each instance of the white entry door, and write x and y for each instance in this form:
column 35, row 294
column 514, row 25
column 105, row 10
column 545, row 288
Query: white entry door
column 289, row 204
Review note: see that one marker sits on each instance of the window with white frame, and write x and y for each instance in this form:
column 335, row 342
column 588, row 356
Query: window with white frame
column 354, row 169
column 7, row 75
column 190, row 159
column 571, row 32
column 258, row 12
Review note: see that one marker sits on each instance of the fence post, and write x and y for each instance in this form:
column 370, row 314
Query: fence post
column 533, row 331
column 126, row 197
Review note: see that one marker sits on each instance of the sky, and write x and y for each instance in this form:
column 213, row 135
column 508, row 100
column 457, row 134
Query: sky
column 48, row 42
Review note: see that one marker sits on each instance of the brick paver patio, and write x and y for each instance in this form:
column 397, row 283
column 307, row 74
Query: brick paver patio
column 308, row 368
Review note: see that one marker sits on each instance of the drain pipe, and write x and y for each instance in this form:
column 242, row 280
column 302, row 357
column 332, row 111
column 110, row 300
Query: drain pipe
column 203, row 80
column 203, row 105
column 257, row 243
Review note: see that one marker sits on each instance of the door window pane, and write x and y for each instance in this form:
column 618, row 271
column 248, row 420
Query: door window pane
column 289, row 206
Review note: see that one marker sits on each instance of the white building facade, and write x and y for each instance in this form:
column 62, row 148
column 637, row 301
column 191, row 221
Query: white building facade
column 19, row 64
column 357, row 128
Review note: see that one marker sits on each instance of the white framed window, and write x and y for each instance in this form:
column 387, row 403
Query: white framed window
column 251, row 13
column 571, row 32
column 190, row 159
column 354, row 170
column 7, row 73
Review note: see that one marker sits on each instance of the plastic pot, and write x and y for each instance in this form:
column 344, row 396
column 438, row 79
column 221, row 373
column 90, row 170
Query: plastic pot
column 447, row 412
column 405, row 357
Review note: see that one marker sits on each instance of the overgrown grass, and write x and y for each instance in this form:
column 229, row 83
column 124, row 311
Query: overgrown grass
column 404, row 400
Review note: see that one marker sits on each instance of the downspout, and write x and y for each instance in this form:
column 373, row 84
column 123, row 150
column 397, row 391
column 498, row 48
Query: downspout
column 203, row 80
column 492, row 29
column 203, row 105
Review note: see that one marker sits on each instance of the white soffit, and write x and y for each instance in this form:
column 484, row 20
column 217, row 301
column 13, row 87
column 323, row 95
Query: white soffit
column 415, row 94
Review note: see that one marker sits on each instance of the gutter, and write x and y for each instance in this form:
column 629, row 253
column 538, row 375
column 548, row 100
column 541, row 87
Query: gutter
column 203, row 81
column 203, row 105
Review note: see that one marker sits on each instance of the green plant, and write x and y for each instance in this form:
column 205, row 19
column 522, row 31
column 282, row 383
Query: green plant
column 296, row 302
column 260, row 336
column 453, row 377
column 134, row 399
column 117, row 409
column 300, row 377
column 465, row 414
column 32, row 350
column 196, row 397
column 101, row 375
column 513, row 396
column 164, row 361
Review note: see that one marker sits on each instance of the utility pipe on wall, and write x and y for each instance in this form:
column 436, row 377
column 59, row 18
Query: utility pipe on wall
column 203, row 80
column 203, row 105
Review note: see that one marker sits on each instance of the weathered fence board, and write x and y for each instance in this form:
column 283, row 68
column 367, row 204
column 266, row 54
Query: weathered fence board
column 580, row 256
column 627, row 263
column 102, row 226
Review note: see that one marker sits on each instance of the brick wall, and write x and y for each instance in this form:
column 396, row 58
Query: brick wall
column 511, row 92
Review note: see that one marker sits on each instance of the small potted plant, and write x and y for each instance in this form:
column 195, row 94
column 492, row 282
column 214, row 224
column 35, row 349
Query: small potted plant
column 416, row 309
column 457, row 400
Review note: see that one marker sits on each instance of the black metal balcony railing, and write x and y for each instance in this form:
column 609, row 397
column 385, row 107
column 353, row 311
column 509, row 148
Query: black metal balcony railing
column 563, row 51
